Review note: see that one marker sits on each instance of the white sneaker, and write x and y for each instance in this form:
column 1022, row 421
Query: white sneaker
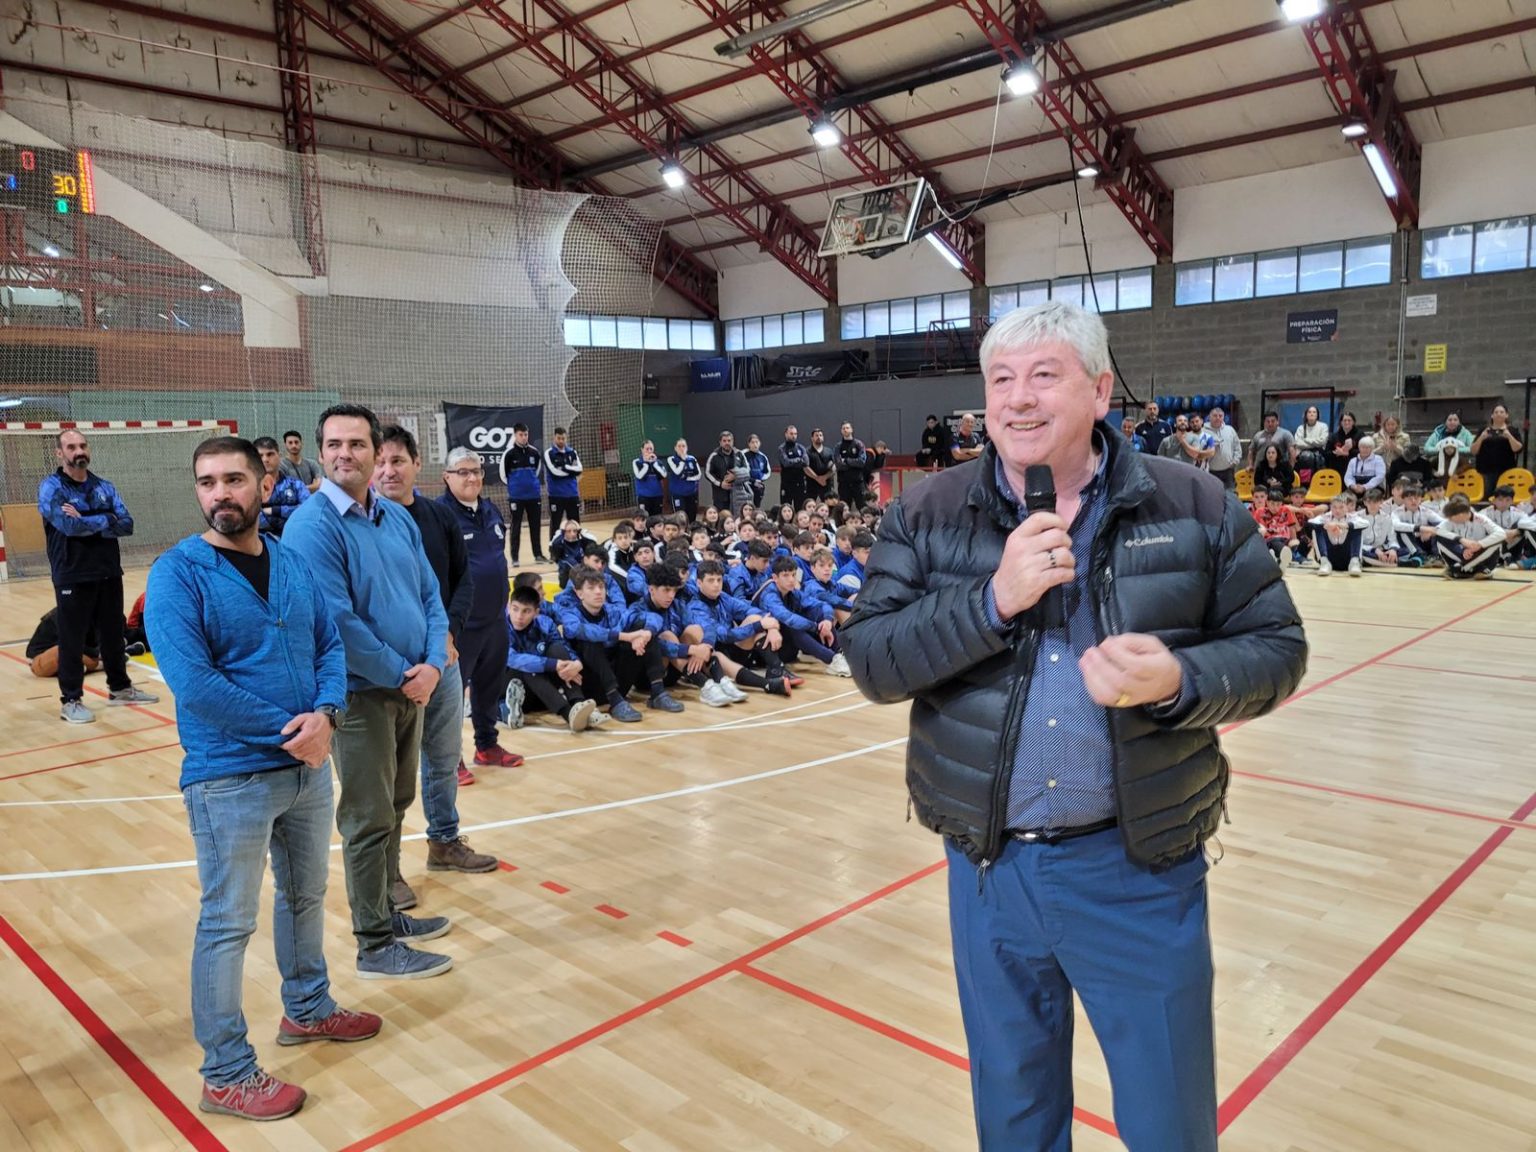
column 1354, row 566
column 712, row 694
column 597, row 719
column 580, row 715
column 732, row 693
column 839, row 666
column 1324, row 568
column 1286, row 556
column 516, row 694
column 75, row 712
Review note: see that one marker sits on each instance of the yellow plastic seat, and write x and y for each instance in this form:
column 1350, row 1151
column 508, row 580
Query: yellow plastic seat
column 1521, row 480
column 1244, row 480
column 1468, row 482
column 1326, row 484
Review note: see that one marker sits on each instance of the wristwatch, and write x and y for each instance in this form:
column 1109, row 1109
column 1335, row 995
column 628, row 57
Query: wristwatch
column 331, row 713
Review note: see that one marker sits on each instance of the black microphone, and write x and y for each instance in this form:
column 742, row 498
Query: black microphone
column 1040, row 496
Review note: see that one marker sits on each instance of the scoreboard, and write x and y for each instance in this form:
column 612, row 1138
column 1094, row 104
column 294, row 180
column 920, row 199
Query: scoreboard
column 46, row 179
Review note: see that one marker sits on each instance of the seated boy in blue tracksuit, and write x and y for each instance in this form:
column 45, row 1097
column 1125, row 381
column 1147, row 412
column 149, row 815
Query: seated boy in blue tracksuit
column 850, row 574
column 634, row 581
column 740, row 634
column 615, row 657
column 542, row 672
column 819, row 587
column 685, row 655
column 842, row 546
column 807, row 626
column 566, row 547
column 595, row 557
column 746, row 580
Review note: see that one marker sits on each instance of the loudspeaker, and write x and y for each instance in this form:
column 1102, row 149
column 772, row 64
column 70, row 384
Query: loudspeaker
column 1413, row 387
column 650, row 388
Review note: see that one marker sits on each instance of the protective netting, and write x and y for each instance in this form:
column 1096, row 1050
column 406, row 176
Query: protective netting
column 206, row 286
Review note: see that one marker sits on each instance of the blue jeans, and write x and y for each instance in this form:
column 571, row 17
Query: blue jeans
column 1051, row 919
column 1338, row 555
column 442, row 747
column 235, row 821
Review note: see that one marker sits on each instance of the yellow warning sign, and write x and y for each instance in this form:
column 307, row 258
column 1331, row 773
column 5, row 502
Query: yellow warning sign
column 1434, row 357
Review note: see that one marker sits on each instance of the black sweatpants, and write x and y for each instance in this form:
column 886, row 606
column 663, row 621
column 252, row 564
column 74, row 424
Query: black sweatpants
column 850, row 487
column 792, row 487
column 544, row 690
column 610, row 673
column 83, row 608
column 687, row 505
column 651, row 504
column 482, row 656
column 561, row 509
column 517, row 511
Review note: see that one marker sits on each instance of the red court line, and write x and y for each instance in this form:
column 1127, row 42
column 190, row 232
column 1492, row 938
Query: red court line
column 610, row 910
column 1350, row 793
column 92, row 760
column 1456, row 671
column 505, row 867
column 1359, row 623
column 557, row 889
column 181, row 1117
column 598, row 1031
column 674, row 938
column 82, row 740
column 1380, row 656
column 901, row 1036
column 1288, row 1049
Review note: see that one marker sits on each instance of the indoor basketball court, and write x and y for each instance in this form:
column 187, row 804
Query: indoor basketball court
column 654, row 220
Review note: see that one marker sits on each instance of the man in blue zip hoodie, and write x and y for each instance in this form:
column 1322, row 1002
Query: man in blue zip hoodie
column 83, row 519
column 367, row 559
column 562, row 470
column 251, row 651
column 520, row 467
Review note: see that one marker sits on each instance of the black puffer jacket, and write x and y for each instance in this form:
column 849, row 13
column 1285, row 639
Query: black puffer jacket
column 1175, row 558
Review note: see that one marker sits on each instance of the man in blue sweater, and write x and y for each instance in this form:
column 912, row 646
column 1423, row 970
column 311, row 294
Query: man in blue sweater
column 366, row 556
column 83, row 519
column 562, row 469
column 250, row 649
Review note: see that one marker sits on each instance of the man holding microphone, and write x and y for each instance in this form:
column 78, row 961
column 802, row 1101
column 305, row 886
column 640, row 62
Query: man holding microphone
column 1063, row 739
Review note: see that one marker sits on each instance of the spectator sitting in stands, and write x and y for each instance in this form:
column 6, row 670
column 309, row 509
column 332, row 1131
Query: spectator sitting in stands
column 1274, row 471
column 1343, row 444
column 1449, row 446
column 1411, row 465
column 1366, row 470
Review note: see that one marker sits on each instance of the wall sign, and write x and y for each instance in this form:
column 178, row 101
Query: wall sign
column 1423, row 305
column 1434, row 357
column 1318, row 327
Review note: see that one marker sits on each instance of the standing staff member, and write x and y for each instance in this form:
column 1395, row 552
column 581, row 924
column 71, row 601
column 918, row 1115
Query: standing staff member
column 366, row 557
column 231, row 609
column 820, row 467
column 442, row 721
column 792, row 462
column 1229, row 450
column 83, row 519
column 520, row 466
column 934, row 453
column 683, row 474
column 1067, row 754
column 562, row 469
column 728, row 475
column 649, row 475
column 851, row 457
column 297, row 465
column 966, row 445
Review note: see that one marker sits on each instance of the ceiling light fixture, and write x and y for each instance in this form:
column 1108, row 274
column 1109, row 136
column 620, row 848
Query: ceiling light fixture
column 1022, row 79
column 945, row 251
column 1354, row 129
column 50, row 250
column 1299, row 11
column 1379, row 169
column 672, row 174
column 1087, row 172
column 825, row 133
column 205, row 287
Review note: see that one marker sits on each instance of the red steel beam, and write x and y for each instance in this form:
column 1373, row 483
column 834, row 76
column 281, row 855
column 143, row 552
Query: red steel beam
column 1361, row 88
column 615, row 89
column 1078, row 110
column 520, row 42
column 299, row 126
column 808, row 78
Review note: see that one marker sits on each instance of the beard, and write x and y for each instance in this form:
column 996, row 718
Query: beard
column 229, row 519
column 83, row 460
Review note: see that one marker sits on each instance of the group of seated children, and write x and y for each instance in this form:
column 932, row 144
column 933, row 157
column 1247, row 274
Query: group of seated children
column 666, row 604
column 1411, row 528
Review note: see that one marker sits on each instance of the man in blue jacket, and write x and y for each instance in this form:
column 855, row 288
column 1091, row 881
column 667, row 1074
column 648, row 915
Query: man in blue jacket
column 366, row 556
column 250, row 649
column 83, row 519
column 520, row 468
column 288, row 492
column 562, row 470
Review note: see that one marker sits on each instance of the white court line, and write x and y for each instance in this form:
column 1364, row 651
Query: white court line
column 101, row 800
column 536, row 818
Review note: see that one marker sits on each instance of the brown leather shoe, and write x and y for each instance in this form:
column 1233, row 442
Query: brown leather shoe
column 401, row 896
column 457, row 856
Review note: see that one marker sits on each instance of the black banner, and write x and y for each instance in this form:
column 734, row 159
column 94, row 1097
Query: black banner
column 489, row 431
column 814, row 367
column 1318, row 327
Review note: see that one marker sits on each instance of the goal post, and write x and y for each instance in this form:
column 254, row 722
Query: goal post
column 147, row 461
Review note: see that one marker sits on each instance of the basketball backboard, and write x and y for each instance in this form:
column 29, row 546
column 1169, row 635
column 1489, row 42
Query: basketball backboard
column 874, row 218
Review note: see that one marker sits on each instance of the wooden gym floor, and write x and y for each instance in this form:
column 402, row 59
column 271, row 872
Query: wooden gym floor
column 717, row 931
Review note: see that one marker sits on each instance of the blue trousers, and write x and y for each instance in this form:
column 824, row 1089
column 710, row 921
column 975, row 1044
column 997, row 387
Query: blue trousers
column 482, row 668
column 442, row 747
column 1049, row 920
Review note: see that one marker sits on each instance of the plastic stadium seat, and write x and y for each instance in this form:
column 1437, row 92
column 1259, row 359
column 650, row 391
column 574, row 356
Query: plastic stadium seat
column 1521, row 480
column 1244, row 480
column 1468, row 482
column 1326, row 484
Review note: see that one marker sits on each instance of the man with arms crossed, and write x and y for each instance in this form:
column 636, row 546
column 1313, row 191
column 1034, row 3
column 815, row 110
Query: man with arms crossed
column 252, row 653
column 366, row 557
column 1065, row 751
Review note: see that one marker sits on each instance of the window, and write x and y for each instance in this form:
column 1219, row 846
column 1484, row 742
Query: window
column 704, row 336
column 957, row 307
column 1502, row 245
column 1275, row 273
column 777, row 331
column 578, row 331
column 1068, row 288
column 929, row 310
column 1447, row 252
column 877, row 319
column 1135, row 289
column 1193, row 282
column 655, row 334
column 1001, row 301
column 753, row 329
column 853, row 323
column 733, row 336
column 1368, row 262
column 794, row 328
column 1233, row 278
column 1319, row 267
column 773, row 331
column 902, row 316
column 630, row 332
column 815, row 322
column 1104, row 293
column 605, row 332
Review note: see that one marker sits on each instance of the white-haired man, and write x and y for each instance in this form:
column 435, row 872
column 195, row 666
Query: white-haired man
column 1063, row 737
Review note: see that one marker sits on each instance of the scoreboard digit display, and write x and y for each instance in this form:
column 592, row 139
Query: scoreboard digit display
column 46, row 179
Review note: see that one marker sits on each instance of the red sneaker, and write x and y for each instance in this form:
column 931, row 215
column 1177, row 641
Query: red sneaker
column 496, row 757
column 792, row 680
column 341, row 1025
column 260, row 1097
column 466, row 777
